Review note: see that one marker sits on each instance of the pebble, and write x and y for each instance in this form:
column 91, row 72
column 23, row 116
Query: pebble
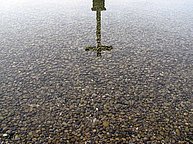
column 17, row 137
column 106, row 123
column 5, row 135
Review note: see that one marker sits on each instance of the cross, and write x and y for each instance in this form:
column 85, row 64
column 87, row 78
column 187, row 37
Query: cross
column 98, row 6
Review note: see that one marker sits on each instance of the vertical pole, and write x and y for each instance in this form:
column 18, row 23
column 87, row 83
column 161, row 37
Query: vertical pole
column 98, row 29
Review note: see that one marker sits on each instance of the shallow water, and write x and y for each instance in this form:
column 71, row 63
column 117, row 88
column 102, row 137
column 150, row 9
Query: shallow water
column 53, row 91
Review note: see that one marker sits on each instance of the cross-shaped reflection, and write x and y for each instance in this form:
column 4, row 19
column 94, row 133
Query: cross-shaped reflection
column 98, row 6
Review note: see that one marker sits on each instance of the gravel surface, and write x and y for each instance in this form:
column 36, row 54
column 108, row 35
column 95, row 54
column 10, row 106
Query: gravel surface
column 52, row 91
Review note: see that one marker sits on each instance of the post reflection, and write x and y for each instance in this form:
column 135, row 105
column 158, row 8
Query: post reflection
column 98, row 6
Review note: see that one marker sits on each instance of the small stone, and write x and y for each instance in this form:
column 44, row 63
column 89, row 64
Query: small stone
column 94, row 120
column 124, row 139
column 38, row 131
column 5, row 135
column 185, row 114
column 162, row 74
column 167, row 120
column 159, row 137
column 17, row 137
column 1, row 117
column 30, row 134
column 34, row 139
column 64, row 124
column 186, row 129
column 177, row 132
column 106, row 124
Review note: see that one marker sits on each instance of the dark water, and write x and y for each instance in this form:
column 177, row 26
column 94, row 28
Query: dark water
column 53, row 91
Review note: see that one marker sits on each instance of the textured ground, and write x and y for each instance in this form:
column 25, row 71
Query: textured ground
column 52, row 91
